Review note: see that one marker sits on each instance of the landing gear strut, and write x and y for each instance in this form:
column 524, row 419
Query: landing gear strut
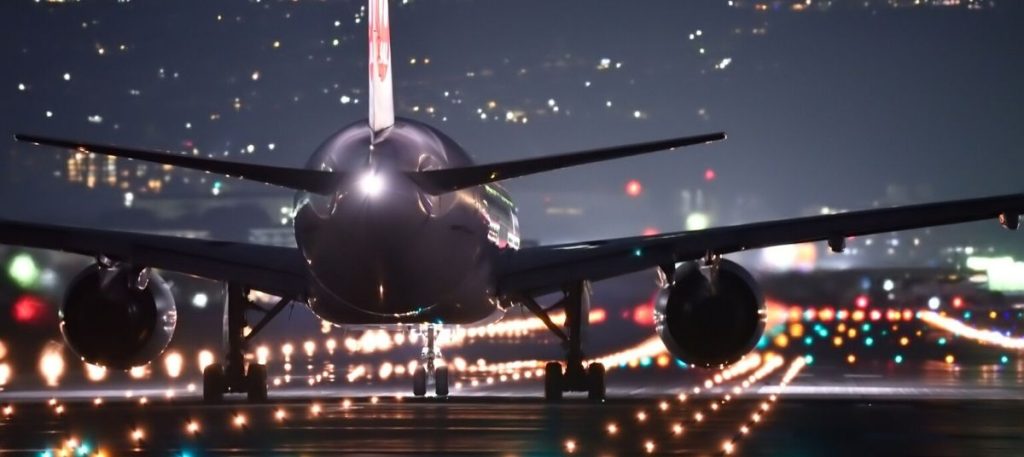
column 234, row 376
column 575, row 377
column 427, row 366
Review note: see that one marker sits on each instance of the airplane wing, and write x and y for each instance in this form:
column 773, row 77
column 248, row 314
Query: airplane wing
column 275, row 270
column 545, row 269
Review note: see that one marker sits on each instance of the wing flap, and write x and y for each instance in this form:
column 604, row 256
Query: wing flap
column 546, row 268
column 275, row 270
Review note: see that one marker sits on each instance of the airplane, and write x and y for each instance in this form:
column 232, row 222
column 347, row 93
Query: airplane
column 396, row 227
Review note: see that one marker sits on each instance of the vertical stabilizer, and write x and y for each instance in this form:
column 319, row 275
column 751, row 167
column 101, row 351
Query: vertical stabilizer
column 382, row 110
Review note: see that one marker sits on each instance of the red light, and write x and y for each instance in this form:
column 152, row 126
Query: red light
column 862, row 301
column 650, row 231
column 643, row 314
column 709, row 175
column 28, row 309
column 958, row 302
column 634, row 188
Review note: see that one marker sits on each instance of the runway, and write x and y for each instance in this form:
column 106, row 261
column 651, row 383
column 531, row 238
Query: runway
column 825, row 410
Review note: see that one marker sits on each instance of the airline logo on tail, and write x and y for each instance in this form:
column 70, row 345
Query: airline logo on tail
column 380, row 40
column 382, row 114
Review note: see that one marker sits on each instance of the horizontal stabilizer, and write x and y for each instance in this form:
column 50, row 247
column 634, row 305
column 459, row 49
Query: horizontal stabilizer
column 452, row 179
column 321, row 182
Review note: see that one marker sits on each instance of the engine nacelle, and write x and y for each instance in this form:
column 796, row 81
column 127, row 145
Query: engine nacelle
column 710, row 325
column 118, row 317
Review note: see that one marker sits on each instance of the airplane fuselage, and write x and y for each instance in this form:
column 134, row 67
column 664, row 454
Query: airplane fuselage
column 381, row 251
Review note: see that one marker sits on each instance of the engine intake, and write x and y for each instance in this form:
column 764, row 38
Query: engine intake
column 710, row 324
column 118, row 317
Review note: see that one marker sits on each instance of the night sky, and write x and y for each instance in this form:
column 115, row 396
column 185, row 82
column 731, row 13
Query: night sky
column 847, row 106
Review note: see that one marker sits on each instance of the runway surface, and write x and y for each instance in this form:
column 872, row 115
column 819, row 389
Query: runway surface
column 825, row 410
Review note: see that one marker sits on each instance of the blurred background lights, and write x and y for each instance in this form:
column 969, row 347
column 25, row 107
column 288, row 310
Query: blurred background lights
column 51, row 363
column 23, row 270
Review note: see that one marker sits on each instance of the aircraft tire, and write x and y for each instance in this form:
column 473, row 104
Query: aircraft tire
column 419, row 382
column 214, row 383
column 553, row 382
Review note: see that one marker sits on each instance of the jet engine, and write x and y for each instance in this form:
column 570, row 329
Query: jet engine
column 118, row 317
column 711, row 318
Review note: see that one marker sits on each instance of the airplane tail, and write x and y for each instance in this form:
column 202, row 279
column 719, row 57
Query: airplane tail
column 433, row 182
column 382, row 109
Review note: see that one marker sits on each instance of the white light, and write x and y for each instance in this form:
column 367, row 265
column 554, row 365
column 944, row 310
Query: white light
column 51, row 364
column 21, row 87
column 200, row 300
column 173, row 363
column 67, row 76
column 205, row 359
column 933, row 303
column 371, row 184
column 95, row 373
column 888, row 285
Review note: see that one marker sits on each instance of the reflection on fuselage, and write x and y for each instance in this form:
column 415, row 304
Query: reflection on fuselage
column 382, row 251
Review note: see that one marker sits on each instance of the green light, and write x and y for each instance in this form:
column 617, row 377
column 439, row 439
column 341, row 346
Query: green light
column 697, row 221
column 967, row 314
column 808, row 359
column 637, row 252
column 942, row 341
column 83, row 449
column 898, row 359
column 1004, row 360
column 865, row 327
column 869, row 341
column 23, row 270
column 808, row 340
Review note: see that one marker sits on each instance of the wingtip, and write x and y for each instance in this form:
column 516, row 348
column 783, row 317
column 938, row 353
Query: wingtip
column 23, row 138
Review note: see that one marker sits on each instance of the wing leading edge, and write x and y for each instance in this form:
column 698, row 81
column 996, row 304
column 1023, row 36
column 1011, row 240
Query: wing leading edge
column 547, row 268
column 275, row 270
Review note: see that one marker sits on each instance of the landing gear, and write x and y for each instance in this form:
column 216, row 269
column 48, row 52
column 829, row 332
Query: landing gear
column 235, row 376
column 574, row 377
column 427, row 368
column 419, row 382
column 441, row 381
column 214, row 384
column 256, row 383
column 553, row 381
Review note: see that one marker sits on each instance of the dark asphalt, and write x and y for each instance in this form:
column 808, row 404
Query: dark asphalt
column 825, row 411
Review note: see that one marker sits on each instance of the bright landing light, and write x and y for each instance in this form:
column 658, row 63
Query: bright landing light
column 371, row 184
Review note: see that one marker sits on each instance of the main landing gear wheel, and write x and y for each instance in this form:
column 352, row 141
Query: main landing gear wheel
column 214, row 383
column 595, row 382
column 441, row 381
column 256, row 383
column 419, row 382
column 234, row 376
column 553, row 382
